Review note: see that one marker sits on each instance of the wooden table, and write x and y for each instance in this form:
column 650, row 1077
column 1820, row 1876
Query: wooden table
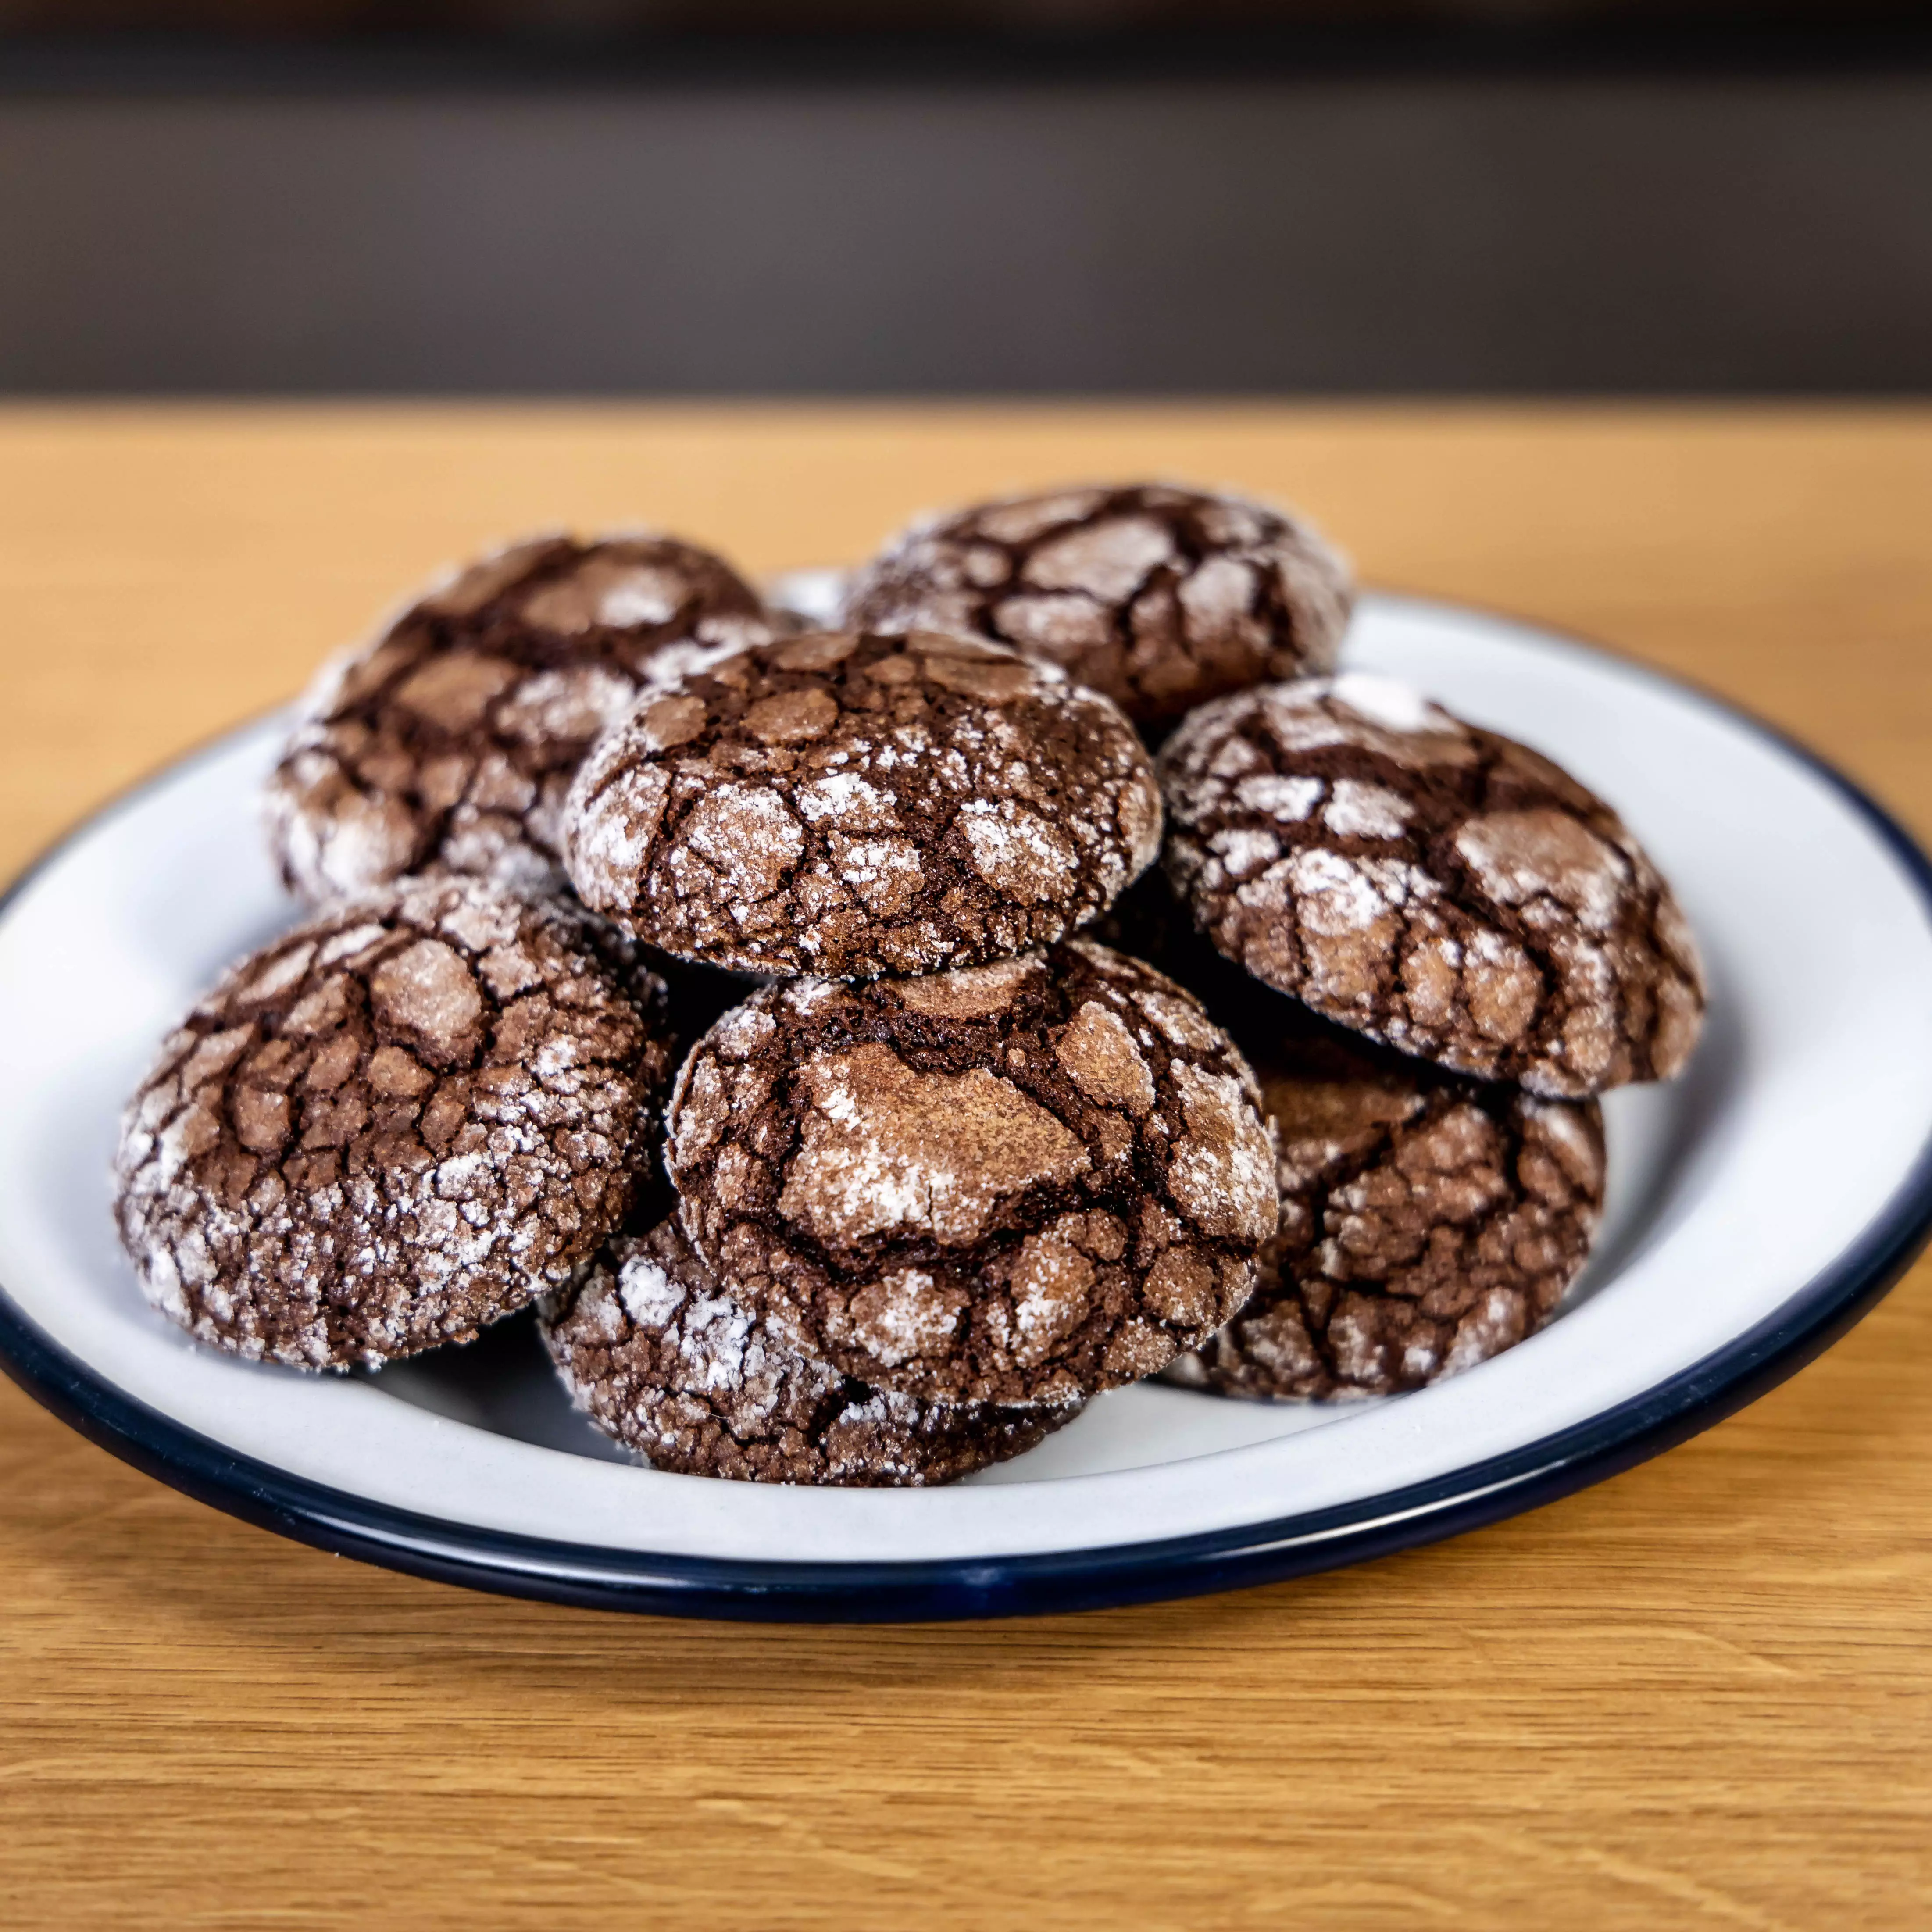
column 1700, row 1695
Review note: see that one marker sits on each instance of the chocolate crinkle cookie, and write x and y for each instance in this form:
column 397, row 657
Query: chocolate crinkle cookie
column 1428, row 1221
column 660, row 1357
column 451, row 740
column 1017, row 1182
column 847, row 804
column 1161, row 597
column 398, row 1122
column 1431, row 884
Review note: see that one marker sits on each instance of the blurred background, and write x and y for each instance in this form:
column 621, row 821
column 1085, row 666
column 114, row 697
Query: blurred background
column 1014, row 197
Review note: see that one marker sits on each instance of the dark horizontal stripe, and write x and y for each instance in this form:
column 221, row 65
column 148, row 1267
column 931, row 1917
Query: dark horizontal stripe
column 128, row 62
column 1348, row 234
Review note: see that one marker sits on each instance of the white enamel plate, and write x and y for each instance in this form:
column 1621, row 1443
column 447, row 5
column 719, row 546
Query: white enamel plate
column 1757, row 1206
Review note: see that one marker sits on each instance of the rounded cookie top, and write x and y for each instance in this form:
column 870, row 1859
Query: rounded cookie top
column 848, row 804
column 1016, row 1183
column 1431, row 884
column 1161, row 597
column 451, row 740
column 393, row 1125
column 660, row 1357
column 1428, row 1221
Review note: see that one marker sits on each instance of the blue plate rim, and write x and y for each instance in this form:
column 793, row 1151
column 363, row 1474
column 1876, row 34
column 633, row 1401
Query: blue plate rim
column 504, row 1564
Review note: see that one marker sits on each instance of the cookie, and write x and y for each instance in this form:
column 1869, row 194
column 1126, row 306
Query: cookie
column 847, row 805
column 1431, row 884
column 398, row 1122
column 1429, row 1221
column 451, row 740
column 660, row 1357
column 1016, row 1182
column 1160, row 597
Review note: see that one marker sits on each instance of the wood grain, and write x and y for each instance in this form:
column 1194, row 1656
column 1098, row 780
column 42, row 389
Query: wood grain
column 1698, row 1695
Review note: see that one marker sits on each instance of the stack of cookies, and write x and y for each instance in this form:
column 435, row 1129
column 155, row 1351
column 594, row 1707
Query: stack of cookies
column 941, row 1164
column 1490, row 949
column 1434, row 947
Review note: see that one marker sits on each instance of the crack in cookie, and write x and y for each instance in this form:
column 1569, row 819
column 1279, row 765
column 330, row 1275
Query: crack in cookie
column 1017, row 1182
column 1428, row 1221
column 451, row 740
column 847, row 804
column 662, row 1358
column 1160, row 597
column 398, row 1123
column 1434, row 886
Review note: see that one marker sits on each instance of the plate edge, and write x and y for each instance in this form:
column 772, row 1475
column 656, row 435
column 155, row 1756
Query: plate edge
column 952, row 1590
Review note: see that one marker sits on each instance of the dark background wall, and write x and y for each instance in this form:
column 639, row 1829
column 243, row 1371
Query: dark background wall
column 1176, row 213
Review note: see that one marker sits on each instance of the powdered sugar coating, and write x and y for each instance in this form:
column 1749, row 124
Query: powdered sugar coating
column 1428, row 1221
column 1017, row 1182
column 660, row 1356
column 451, row 739
column 1161, row 597
column 847, row 805
column 1430, row 884
column 392, row 1126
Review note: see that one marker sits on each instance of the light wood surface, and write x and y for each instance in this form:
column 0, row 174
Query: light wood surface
column 1700, row 1695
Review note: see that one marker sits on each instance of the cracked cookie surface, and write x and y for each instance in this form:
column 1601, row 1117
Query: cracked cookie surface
column 1428, row 1221
column 660, row 1357
column 451, row 740
column 1159, row 596
column 399, row 1122
column 1016, row 1182
column 1434, row 886
column 847, row 804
